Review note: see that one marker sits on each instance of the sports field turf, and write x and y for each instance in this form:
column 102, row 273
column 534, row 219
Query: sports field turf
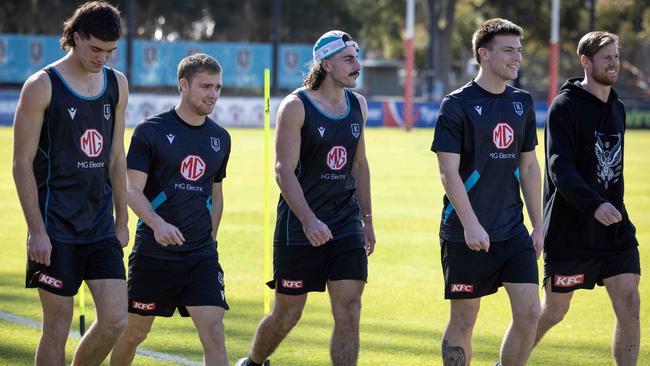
column 403, row 310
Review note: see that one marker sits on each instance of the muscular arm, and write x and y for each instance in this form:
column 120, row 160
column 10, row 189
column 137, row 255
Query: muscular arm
column 361, row 174
column 291, row 116
column 531, row 187
column 28, row 121
column 117, row 166
column 475, row 236
column 217, row 207
column 165, row 233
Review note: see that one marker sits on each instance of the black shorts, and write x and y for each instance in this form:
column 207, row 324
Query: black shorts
column 70, row 264
column 160, row 286
column 301, row 269
column 470, row 274
column 567, row 276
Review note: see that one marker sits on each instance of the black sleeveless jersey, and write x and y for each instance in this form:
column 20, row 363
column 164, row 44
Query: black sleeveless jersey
column 327, row 148
column 71, row 164
column 182, row 162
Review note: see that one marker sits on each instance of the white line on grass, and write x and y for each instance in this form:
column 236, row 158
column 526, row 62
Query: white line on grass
column 141, row 351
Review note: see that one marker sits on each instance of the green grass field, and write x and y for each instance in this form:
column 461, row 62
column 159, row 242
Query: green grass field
column 404, row 313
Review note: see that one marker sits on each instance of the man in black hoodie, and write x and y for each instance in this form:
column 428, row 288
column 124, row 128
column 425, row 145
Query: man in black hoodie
column 588, row 236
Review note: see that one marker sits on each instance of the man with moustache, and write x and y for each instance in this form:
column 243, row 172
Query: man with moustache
column 324, row 230
column 588, row 236
column 176, row 163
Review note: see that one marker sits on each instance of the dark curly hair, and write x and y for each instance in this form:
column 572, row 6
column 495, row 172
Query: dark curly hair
column 95, row 18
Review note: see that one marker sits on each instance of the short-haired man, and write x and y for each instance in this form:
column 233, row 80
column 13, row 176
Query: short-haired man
column 485, row 141
column 588, row 236
column 324, row 230
column 69, row 169
column 176, row 163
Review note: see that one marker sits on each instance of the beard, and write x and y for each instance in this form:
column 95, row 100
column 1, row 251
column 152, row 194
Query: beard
column 603, row 78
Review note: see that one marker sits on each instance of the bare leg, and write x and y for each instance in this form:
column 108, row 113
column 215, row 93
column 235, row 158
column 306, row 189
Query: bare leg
column 555, row 305
column 457, row 339
column 135, row 333
column 623, row 291
column 57, row 317
column 519, row 339
column 208, row 320
column 111, row 303
column 345, row 296
column 286, row 313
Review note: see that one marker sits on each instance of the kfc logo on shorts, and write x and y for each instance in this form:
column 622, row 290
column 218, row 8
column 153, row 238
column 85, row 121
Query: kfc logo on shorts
column 461, row 287
column 568, row 281
column 192, row 167
column 143, row 306
column 92, row 142
column 292, row 283
column 337, row 158
column 50, row 281
column 503, row 135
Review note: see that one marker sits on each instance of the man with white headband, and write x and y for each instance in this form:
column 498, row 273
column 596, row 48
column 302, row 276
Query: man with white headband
column 324, row 229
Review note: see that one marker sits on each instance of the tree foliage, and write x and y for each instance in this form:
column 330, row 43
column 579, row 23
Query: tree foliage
column 378, row 25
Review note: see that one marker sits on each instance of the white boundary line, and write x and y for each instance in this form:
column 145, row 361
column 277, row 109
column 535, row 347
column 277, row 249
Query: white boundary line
column 141, row 351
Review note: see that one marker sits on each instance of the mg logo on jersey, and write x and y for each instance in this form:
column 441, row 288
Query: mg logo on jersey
column 461, row 287
column 292, row 283
column 192, row 167
column 569, row 281
column 503, row 135
column 143, row 306
column 50, row 281
column 337, row 158
column 92, row 143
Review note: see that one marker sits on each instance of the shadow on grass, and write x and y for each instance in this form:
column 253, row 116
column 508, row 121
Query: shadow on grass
column 12, row 355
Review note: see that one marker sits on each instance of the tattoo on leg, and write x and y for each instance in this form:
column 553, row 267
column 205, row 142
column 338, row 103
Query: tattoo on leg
column 452, row 355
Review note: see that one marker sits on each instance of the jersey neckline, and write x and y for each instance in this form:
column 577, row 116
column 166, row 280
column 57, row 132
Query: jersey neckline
column 347, row 101
column 182, row 122
column 101, row 92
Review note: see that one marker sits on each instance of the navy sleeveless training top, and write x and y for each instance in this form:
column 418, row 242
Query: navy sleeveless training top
column 327, row 149
column 71, row 164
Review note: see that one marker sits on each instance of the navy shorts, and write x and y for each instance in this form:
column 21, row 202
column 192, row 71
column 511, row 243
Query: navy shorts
column 160, row 286
column 567, row 276
column 471, row 274
column 301, row 269
column 70, row 264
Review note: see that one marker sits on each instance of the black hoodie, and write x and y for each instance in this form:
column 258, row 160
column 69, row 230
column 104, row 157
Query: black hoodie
column 584, row 168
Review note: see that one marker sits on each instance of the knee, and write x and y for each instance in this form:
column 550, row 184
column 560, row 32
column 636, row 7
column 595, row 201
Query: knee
column 348, row 312
column 56, row 332
column 135, row 335
column 554, row 314
column 463, row 325
column 213, row 334
column 528, row 316
column 287, row 318
column 462, row 317
column 113, row 326
column 630, row 304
